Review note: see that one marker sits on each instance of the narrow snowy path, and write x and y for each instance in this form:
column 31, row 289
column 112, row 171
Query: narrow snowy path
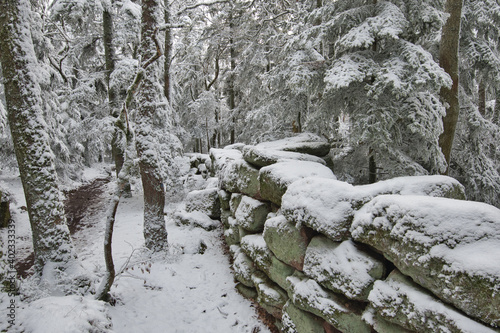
column 189, row 289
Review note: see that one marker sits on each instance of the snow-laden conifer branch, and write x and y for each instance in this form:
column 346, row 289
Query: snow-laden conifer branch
column 200, row 5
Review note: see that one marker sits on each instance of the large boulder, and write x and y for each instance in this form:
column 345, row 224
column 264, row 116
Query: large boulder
column 325, row 205
column 286, row 240
column 256, row 248
column 432, row 186
column 251, row 214
column 239, row 176
column 223, row 157
column 261, row 157
column 342, row 267
column 328, row 206
column 401, row 301
column 275, row 179
column 450, row 247
column 306, row 143
column 204, row 201
column 342, row 314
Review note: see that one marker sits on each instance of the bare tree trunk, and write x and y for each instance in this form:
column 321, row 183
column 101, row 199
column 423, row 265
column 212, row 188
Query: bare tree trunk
column 155, row 233
column 51, row 238
column 448, row 59
column 372, row 168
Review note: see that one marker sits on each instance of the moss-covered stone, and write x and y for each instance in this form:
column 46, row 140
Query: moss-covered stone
column 297, row 321
column 380, row 325
column 247, row 292
column 239, row 176
column 251, row 214
column 261, row 157
column 224, row 198
column 270, row 296
column 324, row 205
column 232, row 236
column 306, row 143
column 275, row 179
column 266, row 261
column 224, row 217
column 448, row 246
column 401, row 301
column 243, row 266
column 342, row 267
column 286, row 240
column 204, row 201
column 341, row 313
column 235, row 202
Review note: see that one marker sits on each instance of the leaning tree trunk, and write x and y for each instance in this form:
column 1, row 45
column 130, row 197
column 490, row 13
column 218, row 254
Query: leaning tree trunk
column 51, row 239
column 448, row 59
column 155, row 233
column 117, row 141
column 168, row 54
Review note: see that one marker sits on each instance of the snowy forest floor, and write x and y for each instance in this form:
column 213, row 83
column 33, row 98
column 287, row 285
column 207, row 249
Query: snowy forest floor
column 188, row 289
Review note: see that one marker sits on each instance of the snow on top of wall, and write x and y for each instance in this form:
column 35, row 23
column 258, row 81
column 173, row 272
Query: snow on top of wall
column 290, row 171
column 464, row 233
column 292, row 142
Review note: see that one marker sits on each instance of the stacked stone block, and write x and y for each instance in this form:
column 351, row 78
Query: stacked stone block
column 322, row 255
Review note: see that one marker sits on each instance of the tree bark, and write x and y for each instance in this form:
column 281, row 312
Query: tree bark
column 51, row 238
column 117, row 151
column 496, row 111
column 482, row 98
column 168, row 54
column 448, row 59
column 155, row 233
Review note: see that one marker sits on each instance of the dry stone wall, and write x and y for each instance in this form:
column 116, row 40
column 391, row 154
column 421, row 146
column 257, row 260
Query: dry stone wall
column 320, row 255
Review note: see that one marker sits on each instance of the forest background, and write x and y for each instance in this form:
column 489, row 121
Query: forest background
column 399, row 87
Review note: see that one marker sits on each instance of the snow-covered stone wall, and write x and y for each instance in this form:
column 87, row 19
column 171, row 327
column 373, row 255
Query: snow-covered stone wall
column 320, row 255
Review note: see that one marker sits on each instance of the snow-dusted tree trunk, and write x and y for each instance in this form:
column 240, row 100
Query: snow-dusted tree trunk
column 117, row 150
column 155, row 233
column 168, row 54
column 51, row 239
column 448, row 59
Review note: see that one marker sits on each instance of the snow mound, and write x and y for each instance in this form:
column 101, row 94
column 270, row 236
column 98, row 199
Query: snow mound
column 67, row 315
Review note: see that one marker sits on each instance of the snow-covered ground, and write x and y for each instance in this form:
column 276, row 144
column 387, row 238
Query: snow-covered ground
column 189, row 289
